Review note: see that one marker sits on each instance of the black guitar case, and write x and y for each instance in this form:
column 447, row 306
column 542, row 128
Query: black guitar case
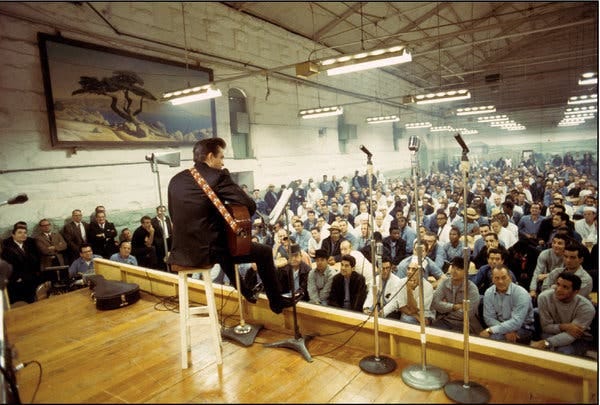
column 112, row 294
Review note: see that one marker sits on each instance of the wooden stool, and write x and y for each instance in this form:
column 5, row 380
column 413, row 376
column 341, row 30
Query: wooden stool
column 185, row 312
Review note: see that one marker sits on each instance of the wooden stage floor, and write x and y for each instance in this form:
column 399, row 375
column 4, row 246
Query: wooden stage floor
column 131, row 355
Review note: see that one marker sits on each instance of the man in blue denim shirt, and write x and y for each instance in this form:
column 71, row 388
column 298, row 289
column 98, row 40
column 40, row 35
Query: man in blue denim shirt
column 507, row 309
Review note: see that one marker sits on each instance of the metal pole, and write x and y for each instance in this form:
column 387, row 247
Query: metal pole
column 375, row 364
column 464, row 391
column 425, row 377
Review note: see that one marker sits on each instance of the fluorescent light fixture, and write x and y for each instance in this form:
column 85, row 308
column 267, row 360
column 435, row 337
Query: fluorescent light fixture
column 476, row 110
column 585, row 99
column 517, row 128
column 466, row 131
column 588, row 78
column 492, row 118
column 445, row 128
column 191, row 94
column 568, row 124
column 382, row 119
column 581, row 110
column 321, row 112
column 442, row 96
column 587, row 116
column 415, row 125
column 501, row 123
column 364, row 60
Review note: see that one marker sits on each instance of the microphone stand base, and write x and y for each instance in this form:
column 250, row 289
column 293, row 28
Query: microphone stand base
column 426, row 378
column 467, row 394
column 297, row 344
column 244, row 335
column 377, row 365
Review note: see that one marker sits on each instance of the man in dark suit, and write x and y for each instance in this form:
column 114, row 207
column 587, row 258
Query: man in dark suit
column 21, row 252
column 200, row 231
column 299, row 271
column 75, row 234
column 163, row 229
column 102, row 236
column 354, row 297
column 51, row 245
column 271, row 198
column 394, row 246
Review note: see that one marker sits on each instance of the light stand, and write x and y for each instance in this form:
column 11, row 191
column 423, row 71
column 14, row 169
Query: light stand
column 173, row 160
column 375, row 364
column 242, row 333
column 421, row 377
column 298, row 342
column 466, row 392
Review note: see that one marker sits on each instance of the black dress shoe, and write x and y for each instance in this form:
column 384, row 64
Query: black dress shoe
column 249, row 295
column 287, row 299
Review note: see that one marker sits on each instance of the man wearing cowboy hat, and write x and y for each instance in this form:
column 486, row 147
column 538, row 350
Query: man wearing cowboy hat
column 472, row 224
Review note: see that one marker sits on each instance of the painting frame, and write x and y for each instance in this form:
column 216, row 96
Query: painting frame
column 87, row 106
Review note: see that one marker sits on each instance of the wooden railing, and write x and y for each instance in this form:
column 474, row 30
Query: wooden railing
column 567, row 378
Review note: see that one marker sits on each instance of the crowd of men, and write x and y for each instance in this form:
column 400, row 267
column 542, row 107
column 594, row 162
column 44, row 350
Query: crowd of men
column 530, row 234
column 30, row 261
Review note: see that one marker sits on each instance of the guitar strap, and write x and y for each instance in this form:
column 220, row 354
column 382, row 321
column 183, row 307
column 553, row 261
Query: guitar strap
column 215, row 200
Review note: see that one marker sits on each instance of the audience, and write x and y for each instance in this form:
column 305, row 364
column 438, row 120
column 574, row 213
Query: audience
column 513, row 199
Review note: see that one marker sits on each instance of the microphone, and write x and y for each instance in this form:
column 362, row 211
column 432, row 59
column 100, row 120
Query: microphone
column 413, row 143
column 379, row 249
column 462, row 143
column 365, row 150
column 18, row 199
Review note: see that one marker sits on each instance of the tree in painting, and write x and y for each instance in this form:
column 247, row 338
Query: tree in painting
column 122, row 82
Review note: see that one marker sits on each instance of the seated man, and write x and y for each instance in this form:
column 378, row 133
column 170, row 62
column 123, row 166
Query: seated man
column 124, row 254
column 431, row 271
column 320, row 279
column 483, row 278
column 388, row 287
column 362, row 266
column 573, row 256
column 348, row 288
column 548, row 260
column 507, row 309
column 299, row 271
column 394, row 246
column 565, row 317
column 448, row 300
column 85, row 263
column 406, row 306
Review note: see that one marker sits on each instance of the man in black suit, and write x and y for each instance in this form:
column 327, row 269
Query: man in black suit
column 163, row 229
column 200, row 231
column 394, row 246
column 75, row 233
column 102, row 236
column 21, row 252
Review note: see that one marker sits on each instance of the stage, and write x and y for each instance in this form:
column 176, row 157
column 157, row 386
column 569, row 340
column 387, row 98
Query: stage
column 131, row 355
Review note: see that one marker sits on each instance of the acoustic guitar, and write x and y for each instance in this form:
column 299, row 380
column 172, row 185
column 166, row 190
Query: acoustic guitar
column 239, row 243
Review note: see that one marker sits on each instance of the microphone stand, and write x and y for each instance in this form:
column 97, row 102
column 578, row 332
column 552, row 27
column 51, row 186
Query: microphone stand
column 466, row 392
column 375, row 364
column 242, row 333
column 298, row 342
column 154, row 167
column 422, row 377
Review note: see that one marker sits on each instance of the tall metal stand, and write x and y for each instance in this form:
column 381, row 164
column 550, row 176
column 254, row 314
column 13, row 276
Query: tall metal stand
column 298, row 342
column 242, row 333
column 422, row 377
column 154, row 166
column 466, row 392
column 375, row 364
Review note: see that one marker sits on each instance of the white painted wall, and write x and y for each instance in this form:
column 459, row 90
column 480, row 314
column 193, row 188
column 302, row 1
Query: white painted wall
column 285, row 148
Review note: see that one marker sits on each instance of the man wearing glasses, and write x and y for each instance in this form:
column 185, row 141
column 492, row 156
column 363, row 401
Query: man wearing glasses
column 85, row 263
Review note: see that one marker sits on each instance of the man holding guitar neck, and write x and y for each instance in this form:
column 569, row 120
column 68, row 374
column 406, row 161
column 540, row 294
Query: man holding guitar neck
column 200, row 231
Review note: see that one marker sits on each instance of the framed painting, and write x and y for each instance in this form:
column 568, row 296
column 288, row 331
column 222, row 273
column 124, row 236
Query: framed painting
column 100, row 96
